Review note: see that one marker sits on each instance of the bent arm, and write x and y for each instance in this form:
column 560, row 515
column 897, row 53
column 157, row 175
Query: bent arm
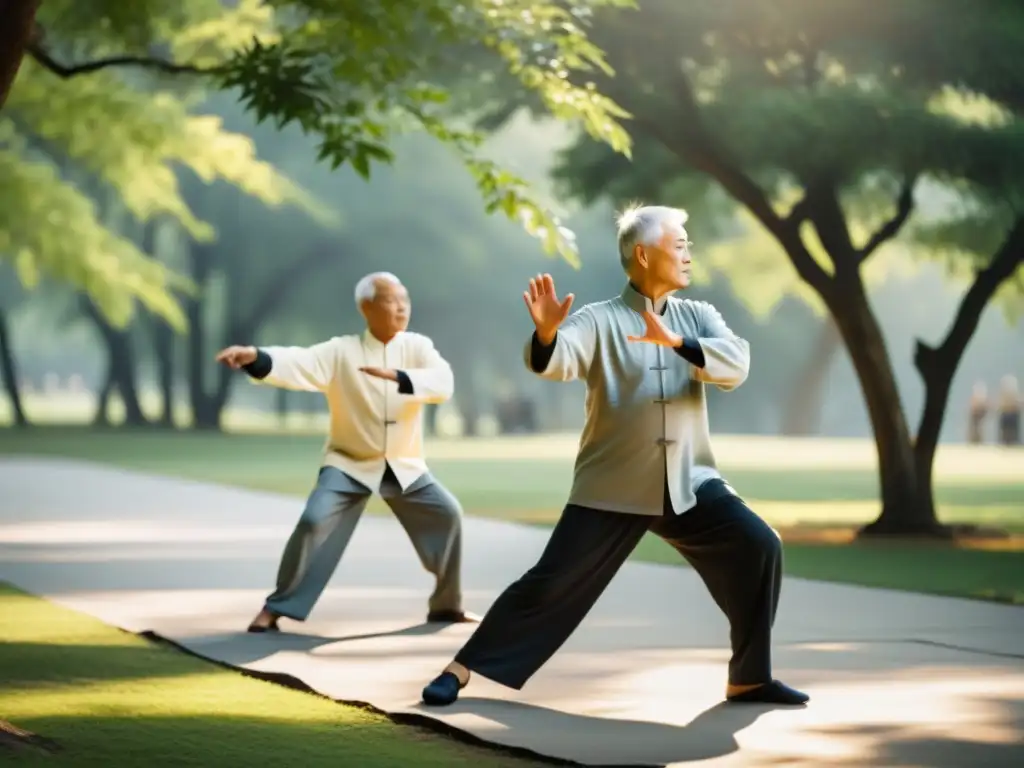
column 725, row 356
column 307, row 369
column 431, row 381
column 568, row 357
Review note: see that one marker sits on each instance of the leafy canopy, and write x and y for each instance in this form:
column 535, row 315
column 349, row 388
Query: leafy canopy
column 352, row 73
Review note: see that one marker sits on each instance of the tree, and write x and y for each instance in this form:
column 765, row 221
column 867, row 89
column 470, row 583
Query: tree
column 807, row 114
column 70, row 136
column 351, row 73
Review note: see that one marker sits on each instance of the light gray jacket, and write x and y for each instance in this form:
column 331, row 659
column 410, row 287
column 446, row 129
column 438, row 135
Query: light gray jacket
column 645, row 406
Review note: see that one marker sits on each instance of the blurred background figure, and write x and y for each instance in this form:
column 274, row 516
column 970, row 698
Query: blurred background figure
column 977, row 411
column 1009, row 411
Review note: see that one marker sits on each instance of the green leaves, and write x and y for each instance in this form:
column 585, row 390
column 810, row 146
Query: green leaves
column 354, row 74
column 49, row 228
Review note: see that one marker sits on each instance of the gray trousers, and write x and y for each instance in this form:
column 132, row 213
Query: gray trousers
column 736, row 553
column 430, row 515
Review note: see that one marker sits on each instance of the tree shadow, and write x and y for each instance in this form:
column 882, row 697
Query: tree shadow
column 709, row 735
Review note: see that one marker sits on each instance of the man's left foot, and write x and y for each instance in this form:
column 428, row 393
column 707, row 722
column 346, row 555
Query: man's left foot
column 452, row 617
column 770, row 693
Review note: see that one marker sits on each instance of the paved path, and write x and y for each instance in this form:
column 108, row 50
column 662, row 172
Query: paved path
column 896, row 679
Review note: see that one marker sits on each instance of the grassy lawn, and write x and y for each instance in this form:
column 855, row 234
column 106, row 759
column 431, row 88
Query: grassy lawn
column 813, row 491
column 110, row 699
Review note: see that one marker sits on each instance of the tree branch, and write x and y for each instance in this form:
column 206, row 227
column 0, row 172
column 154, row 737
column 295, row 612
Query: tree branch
column 937, row 365
column 42, row 56
column 702, row 152
column 889, row 230
column 1008, row 258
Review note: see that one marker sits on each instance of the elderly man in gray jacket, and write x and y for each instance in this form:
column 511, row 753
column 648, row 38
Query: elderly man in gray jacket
column 644, row 464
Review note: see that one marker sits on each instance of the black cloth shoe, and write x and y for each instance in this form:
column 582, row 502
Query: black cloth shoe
column 271, row 627
column 451, row 617
column 771, row 693
column 442, row 690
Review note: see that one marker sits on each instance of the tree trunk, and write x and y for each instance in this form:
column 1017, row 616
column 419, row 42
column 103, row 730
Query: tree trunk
column 101, row 418
column 937, row 365
column 904, row 510
column 19, row 18
column 802, row 412
column 121, row 362
column 9, row 371
column 204, row 413
column 163, row 350
column 163, row 342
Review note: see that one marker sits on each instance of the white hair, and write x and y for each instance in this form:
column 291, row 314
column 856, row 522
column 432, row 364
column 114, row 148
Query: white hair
column 644, row 225
column 366, row 288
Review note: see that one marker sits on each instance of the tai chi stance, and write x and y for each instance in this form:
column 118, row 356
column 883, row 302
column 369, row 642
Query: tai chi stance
column 644, row 464
column 376, row 384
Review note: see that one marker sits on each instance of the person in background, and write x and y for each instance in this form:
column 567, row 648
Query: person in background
column 977, row 411
column 376, row 384
column 1009, row 411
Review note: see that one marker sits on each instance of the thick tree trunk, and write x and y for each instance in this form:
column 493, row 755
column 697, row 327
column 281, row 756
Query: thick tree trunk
column 904, row 510
column 802, row 412
column 17, row 21
column 121, row 363
column 9, row 372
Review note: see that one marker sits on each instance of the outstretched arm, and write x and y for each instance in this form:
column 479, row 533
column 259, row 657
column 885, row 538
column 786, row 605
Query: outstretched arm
column 307, row 369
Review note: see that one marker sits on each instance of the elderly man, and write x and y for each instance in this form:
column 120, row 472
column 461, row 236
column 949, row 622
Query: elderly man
column 376, row 384
column 644, row 464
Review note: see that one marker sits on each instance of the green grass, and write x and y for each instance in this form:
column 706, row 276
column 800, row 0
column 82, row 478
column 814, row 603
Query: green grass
column 111, row 699
column 806, row 488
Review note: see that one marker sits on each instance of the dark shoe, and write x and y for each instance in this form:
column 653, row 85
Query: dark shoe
column 452, row 617
column 771, row 693
column 270, row 626
column 442, row 690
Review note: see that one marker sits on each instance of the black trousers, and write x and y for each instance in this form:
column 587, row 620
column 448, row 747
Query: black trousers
column 736, row 554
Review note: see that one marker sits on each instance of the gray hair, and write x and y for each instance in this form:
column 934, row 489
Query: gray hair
column 366, row 288
column 644, row 225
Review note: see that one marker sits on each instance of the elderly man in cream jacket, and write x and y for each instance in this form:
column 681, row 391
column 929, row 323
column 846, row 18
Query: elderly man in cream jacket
column 376, row 384
column 644, row 464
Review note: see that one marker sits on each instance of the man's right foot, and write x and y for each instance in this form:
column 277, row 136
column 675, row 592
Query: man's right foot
column 265, row 621
column 443, row 689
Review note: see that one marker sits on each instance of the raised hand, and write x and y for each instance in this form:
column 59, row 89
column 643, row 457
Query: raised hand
column 657, row 333
column 380, row 373
column 237, row 356
column 546, row 311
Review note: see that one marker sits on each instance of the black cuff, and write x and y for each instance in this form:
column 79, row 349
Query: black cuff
column 540, row 355
column 260, row 367
column 404, row 383
column 690, row 350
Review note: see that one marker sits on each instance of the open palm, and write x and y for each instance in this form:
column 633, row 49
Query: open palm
column 546, row 311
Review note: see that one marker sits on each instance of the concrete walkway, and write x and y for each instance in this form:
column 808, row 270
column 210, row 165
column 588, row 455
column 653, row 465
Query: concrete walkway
column 896, row 679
